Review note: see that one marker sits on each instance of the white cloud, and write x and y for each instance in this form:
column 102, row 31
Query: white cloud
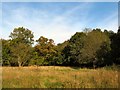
column 57, row 27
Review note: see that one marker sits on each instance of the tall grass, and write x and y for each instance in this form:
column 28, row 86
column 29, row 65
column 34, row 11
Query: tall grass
column 58, row 77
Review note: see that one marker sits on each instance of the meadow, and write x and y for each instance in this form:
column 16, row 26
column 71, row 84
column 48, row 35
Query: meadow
column 58, row 77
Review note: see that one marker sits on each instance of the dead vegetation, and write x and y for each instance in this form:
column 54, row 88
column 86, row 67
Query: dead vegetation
column 58, row 77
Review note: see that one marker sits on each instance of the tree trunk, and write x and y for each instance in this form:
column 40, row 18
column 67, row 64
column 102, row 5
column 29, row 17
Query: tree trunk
column 19, row 63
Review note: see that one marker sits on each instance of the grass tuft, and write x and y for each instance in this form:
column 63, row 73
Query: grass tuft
column 58, row 77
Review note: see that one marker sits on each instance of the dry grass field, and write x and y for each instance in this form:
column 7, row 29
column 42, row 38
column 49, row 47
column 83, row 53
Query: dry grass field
column 58, row 77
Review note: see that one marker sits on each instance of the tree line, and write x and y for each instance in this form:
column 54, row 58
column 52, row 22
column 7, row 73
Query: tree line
column 89, row 48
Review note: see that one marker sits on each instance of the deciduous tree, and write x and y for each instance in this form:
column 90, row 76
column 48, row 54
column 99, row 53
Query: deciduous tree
column 21, row 44
column 46, row 49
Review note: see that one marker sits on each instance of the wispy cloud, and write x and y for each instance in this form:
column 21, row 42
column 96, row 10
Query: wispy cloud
column 55, row 22
column 58, row 27
column 110, row 22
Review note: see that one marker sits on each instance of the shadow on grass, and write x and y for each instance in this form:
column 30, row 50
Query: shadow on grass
column 77, row 68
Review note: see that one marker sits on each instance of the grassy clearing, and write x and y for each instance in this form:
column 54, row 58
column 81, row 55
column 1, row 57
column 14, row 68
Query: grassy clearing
column 58, row 77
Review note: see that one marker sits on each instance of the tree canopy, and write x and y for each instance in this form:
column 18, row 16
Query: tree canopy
column 89, row 48
column 20, row 45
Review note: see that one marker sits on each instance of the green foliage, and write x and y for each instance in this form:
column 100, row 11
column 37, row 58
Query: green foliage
column 102, row 53
column 90, row 48
column 36, row 59
column 21, row 41
column 22, row 35
column 45, row 49
column 22, row 52
column 6, row 52
column 115, row 45
column 0, row 52
column 59, row 59
column 73, row 49
column 96, row 45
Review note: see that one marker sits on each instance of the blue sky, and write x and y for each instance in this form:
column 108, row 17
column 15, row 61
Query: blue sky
column 58, row 20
